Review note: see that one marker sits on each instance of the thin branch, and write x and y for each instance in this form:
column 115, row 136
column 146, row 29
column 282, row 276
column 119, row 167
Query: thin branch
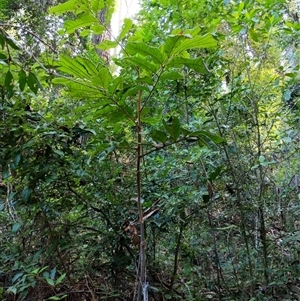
column 30, row 33
column 176, row 257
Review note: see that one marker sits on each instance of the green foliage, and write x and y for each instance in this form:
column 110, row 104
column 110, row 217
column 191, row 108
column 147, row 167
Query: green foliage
column 196, row 120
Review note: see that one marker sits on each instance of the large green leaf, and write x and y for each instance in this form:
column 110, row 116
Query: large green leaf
column 145, row 80
column 196, row 42
column 116, row 84
column 22, row 79
column 96, row 28
column 49, row 281
column 33, row 82
column 79, row 88
column 171, row 43
column 142, row 63
column 26, row 193
column 145, row 50
column 214, row 138
column 114, row 114
column 195, row 64
column 102, row 79
column 3, row 59
column 159, row 136
column 78, row 6
column 83, row 20
column 89, row 66
column 2, row 39
column 173, row 128
column 173, row 75
column 125, row 29
column 62, row 8
column 96, row 5
column 76, row 66
column 9, row 81
column 13, row 43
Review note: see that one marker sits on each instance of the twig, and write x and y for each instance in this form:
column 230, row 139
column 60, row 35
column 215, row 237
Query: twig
column 31, row 33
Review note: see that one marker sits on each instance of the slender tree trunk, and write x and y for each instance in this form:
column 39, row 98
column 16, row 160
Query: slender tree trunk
column 106, row 35
column 182, row 224
column 141, row 272
column 217, row 261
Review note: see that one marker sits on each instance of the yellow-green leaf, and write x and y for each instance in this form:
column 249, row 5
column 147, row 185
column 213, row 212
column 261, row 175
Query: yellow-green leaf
column 83, row 20
column 125, row 29
column 64, row 7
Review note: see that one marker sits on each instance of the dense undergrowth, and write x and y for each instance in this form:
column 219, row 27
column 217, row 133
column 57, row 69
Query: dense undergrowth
column 170, row 172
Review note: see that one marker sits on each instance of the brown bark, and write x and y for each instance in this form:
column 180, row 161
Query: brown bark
column 106, row 35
